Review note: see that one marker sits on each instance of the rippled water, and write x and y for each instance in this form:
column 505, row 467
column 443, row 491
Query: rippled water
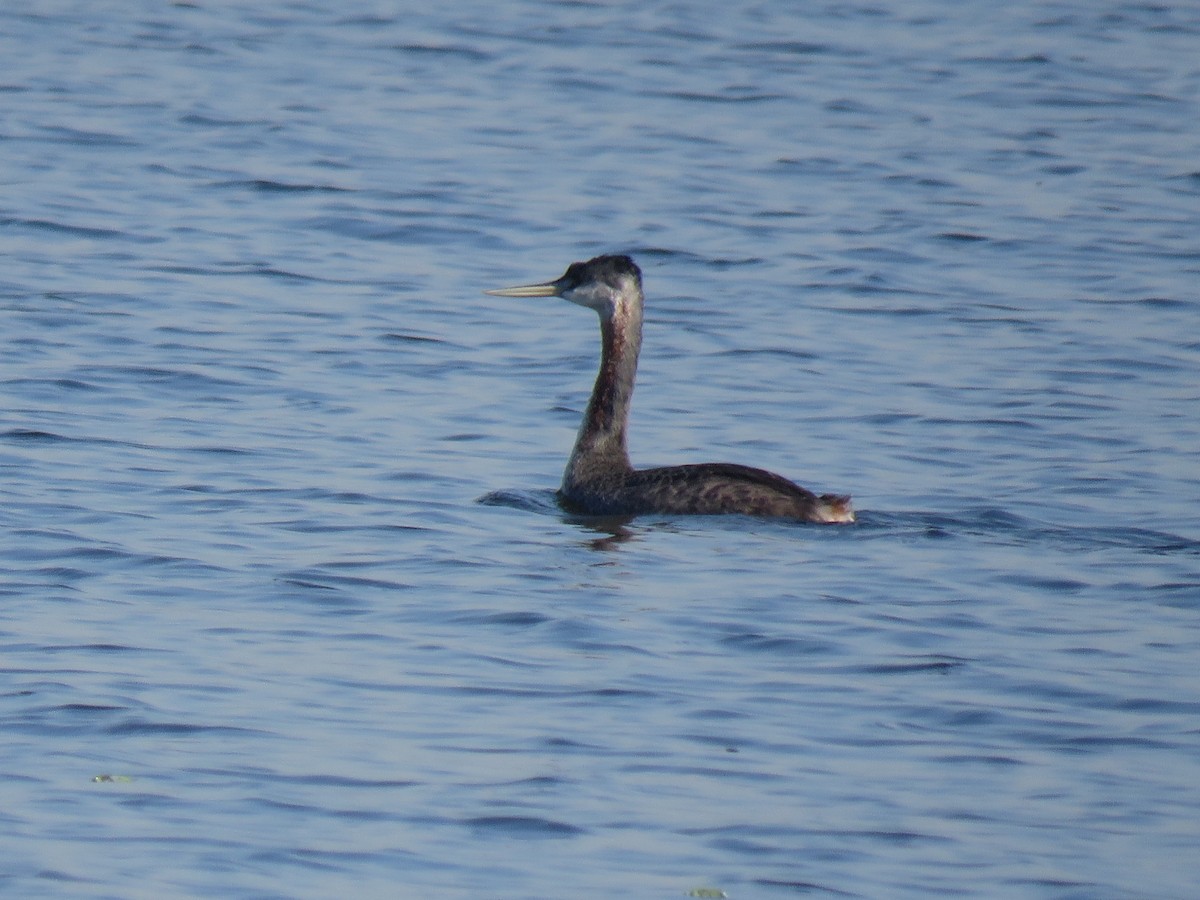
column 258, row 635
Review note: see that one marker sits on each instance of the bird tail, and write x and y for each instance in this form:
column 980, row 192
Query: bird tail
column 835, row 508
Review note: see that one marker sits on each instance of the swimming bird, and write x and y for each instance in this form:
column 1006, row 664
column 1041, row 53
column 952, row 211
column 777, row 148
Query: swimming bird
column 599, row 479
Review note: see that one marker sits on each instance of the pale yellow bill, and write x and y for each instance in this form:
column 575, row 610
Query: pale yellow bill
column 548, row 289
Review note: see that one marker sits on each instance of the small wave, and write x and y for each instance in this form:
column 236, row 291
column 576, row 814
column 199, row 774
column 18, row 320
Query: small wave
column 37, row 436
column 327, row 581
column 141, row 726
column 543, row 501
column 78, row 231
column 803, row 887
column 205, row 121
column 269, row 186
column 93, row 648
column 938, row 665
column 708, row 97
column 1012, row 528
column 515, row 619
column 790, row 48
column 524, row 826
column 336, row 781
column 66, row 384
column 961, row 237
column 456, row 51
column 33, row 435
column 788, row 646
column 61, row 134
column 401, row 338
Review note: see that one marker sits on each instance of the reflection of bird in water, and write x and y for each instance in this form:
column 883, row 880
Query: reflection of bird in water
column 599, row 479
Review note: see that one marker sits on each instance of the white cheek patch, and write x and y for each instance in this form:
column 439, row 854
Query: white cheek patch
column 595, row 296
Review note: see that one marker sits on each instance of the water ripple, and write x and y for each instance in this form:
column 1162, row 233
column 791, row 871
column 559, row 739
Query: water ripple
column 71, row 230
column 522, row 827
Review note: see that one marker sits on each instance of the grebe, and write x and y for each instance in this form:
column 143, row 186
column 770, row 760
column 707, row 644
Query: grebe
column 599, row 479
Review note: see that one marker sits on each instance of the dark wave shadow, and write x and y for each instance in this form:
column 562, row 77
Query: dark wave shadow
column 544, row 502
column 1007, row 527
column 989, row 523
column 612, row 529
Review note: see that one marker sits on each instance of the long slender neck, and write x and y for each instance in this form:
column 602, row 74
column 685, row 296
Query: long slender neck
column 601, row 445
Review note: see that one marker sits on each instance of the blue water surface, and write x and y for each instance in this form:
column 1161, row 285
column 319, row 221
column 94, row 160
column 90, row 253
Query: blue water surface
column 286, row 606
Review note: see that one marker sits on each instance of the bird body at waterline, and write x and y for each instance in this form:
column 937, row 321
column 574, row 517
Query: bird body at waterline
column 599, row 479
